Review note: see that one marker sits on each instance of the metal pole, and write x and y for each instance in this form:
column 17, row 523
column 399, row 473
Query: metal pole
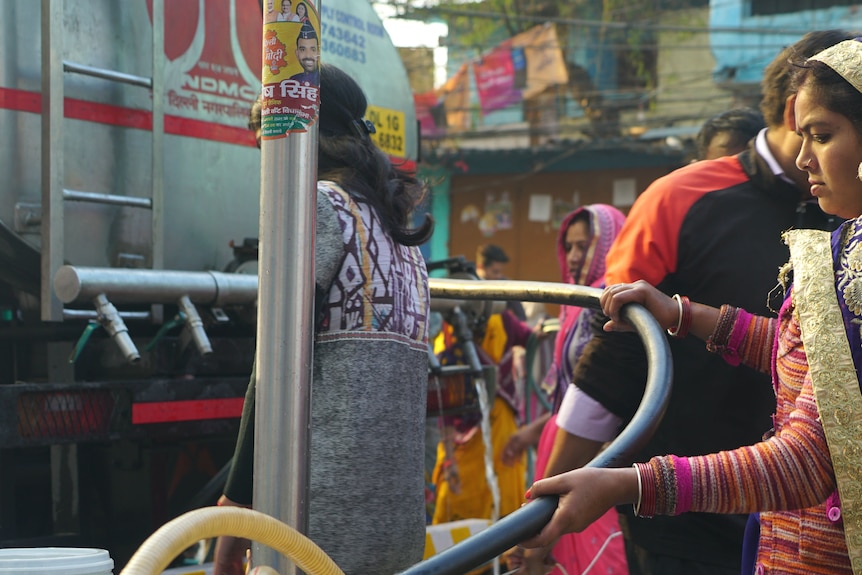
column 157, row 85
column 285, row 328
column 52, row 230
column 142, row 81
column 110, row 199
column 141, row 286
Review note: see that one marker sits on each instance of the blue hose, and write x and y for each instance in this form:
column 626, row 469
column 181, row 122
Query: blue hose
column 531, row 518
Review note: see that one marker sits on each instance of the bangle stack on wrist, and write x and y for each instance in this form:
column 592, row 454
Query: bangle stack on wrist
column 683, row 325
column 647, row 491
column 718, row 341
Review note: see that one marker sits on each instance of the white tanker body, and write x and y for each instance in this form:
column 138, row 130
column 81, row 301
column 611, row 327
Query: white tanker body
column 102, row 451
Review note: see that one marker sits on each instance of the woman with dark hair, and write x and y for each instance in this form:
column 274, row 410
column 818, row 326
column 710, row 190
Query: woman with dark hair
column 302, row 12
column 585, row 236
column 370, row 354
column 806, row 478
column 728, row 133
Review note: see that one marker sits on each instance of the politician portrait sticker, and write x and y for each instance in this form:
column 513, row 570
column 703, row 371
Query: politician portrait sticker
column 291, row 68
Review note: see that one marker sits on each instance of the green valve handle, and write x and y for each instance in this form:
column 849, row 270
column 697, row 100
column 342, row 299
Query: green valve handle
column 92, row 326
column 166, row 327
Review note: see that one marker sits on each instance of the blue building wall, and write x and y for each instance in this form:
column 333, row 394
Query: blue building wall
column 744, row 44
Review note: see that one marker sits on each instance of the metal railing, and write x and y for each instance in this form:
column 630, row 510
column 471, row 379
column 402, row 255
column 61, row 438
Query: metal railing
column 146, row 286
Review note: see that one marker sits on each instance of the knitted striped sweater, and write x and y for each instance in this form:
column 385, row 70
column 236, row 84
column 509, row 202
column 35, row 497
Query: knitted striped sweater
column 788, row 477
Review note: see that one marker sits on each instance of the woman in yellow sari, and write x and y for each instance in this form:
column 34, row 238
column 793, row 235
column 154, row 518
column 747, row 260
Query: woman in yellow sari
column 462, row 491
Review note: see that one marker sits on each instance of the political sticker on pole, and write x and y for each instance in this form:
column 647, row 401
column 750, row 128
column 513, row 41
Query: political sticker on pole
column 290, row 101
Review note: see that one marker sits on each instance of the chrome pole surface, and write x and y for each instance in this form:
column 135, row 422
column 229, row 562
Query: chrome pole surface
column 121, row 77
column 541, row 292
column 110, row 199
column 285, row 326
column 74, row 284
column 142, row 286
column 53, row 162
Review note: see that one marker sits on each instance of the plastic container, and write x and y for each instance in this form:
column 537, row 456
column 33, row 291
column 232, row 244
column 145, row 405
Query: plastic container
column 444, row 535
column 55, row 561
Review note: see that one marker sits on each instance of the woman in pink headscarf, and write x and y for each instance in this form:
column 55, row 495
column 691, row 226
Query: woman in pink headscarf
column 586, row 235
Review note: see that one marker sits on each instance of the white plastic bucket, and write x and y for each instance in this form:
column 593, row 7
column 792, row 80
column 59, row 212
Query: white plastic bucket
column 55, row 561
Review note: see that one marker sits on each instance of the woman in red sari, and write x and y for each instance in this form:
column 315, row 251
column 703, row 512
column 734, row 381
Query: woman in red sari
column 586, row 235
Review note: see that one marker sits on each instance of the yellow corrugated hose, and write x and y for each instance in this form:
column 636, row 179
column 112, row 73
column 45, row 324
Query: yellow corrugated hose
column 172, row 538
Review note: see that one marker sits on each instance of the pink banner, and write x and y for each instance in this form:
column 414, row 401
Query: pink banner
column 495, row 80
column 430, row 113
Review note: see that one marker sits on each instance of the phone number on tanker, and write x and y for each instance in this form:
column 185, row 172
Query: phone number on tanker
column 391, row 143
column 339, row 49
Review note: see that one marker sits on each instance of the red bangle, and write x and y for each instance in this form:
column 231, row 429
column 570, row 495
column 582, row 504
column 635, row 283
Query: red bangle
column 647, row 503
column 684, row 324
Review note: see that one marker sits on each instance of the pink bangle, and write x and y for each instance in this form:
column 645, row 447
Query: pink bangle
column 682, row 470
column 737, row 335
column 684, row 323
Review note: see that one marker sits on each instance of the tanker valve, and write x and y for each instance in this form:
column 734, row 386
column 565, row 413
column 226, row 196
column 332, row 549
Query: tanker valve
column 110, row 319
column 195, row 325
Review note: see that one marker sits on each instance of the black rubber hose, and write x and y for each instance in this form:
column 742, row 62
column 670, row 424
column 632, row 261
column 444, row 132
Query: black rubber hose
column 530, row 519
